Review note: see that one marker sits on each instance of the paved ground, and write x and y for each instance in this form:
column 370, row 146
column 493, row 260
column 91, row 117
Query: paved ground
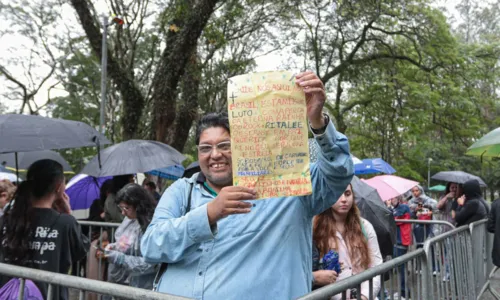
column 494, row 288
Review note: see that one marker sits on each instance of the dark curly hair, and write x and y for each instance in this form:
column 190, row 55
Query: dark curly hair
column 141, row 199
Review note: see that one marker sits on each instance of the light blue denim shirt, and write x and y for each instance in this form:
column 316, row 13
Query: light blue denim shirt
column 265, row 254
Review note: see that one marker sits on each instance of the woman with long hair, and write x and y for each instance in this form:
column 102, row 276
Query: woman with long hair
column 341, row 233
column 111, row 212
column 126, row 262
column 38, row 231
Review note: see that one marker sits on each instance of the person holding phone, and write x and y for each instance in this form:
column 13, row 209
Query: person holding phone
column 127, row 266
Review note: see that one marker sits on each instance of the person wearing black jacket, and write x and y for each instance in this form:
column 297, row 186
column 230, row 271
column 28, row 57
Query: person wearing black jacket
column 471, row 206
column 494, row 227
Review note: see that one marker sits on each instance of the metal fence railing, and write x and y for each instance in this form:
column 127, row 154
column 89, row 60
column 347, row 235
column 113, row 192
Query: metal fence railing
column 481, row 256
column 395, row 268
column 452, row 265
column 93, row 267
column 422, row 230
column 449, row 255
column 81, row 285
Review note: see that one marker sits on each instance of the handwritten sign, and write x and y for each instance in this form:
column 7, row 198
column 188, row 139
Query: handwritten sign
column 267, row 115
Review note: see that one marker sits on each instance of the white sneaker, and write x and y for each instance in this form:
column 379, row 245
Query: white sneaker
column 434, row 273
column 396, row 297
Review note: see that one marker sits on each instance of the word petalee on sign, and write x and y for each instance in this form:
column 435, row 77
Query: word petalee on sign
column 267, row 115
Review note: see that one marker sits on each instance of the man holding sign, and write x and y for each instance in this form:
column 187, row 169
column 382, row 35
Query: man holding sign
column 220, row 245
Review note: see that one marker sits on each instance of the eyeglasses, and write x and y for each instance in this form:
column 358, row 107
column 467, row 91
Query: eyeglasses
column 122, row 208
column 221, row 147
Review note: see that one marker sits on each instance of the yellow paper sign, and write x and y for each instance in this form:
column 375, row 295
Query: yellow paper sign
column 270, row 152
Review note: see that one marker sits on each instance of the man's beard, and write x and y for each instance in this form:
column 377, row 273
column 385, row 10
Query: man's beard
column 220, row 181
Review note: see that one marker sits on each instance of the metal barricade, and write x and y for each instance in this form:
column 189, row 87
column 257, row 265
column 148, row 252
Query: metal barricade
column 481, row 256
column 424, row 229
column 402, row 278
column 451, row 254
column 82, row 285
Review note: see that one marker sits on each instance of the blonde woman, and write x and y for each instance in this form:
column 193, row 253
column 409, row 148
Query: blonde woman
column 342, row 232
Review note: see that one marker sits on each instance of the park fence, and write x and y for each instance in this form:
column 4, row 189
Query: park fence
column 452, row 265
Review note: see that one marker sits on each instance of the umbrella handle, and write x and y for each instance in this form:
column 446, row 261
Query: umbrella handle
column 98, row 144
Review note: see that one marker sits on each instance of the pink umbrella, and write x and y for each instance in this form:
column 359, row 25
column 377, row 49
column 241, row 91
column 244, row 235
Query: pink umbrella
column 390, row 186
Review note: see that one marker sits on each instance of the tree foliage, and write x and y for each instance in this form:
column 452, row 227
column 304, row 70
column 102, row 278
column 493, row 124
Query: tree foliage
column 406, row 81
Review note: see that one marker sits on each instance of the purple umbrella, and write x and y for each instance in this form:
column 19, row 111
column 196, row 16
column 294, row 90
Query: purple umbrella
column 83, row 190
column 10, row 291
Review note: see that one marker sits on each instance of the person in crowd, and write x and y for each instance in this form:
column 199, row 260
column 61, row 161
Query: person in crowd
column 7, row 191
column 454, row 206
column 217, row 244
column 471, row 206
column 96, row 211
column 127, row 266
column 401, row 211
column 445, row 204
column 422, row 208
column 340, row 231
column 111, row 211
column 97, row 214
column 388, row 203
column 151, row 187
column 39, row 231
column 493, row 226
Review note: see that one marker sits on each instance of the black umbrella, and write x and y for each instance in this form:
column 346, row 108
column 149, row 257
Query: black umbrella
column 457, row 177
column 22, row 133
column 25, row 159
column 373, row 209
column 133, row 156
column 193, row 168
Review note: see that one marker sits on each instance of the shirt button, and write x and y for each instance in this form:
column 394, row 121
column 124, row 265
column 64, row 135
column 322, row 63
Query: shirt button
column 201, row 273
column 206, row 250
column 254, row 205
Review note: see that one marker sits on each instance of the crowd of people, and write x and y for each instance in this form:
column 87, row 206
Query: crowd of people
column 204, row 238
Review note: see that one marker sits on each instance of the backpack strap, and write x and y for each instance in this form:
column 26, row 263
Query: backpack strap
column 164, row 266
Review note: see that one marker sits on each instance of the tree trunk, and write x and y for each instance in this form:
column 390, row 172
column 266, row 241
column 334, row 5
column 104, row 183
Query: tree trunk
column 188, row 111
column 133, row 100
column 180, row 46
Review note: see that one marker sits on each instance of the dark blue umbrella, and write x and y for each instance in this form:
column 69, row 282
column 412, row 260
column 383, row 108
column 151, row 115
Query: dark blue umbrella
column 373, row 166
column 83, row 190
column 172, row 172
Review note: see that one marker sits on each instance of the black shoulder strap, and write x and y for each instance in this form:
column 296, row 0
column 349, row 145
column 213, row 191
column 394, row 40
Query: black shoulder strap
column 164, row 266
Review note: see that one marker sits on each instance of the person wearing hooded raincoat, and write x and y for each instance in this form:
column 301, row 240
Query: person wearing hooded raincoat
column 422, row 208
column 471, row 206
